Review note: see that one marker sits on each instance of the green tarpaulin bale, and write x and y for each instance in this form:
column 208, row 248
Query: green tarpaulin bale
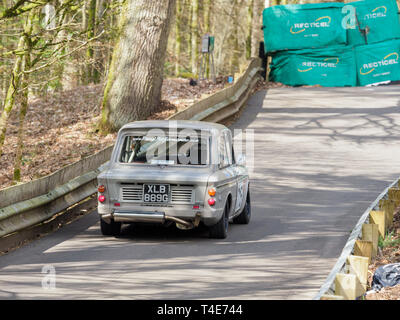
column 303, row 26
column 379, row 16
column 333, row 67
column 378, row 62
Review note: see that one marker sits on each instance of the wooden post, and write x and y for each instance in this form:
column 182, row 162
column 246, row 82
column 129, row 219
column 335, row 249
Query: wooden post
column 378, row 217
column 359, row 266
column 389, row 206
column 394, row 194
column 363, row 248
column 348, row 286
column 370, row 232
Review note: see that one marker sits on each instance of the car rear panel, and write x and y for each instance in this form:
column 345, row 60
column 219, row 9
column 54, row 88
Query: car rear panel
column 187, row 188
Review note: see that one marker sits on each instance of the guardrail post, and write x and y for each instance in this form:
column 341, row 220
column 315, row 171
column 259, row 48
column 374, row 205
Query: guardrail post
column 370, row 232
column 378, row 217
column 356, row 254
column 394, row 194
column 389, row 206
column 264, row 60
column 363, row 248
column 359, row 266
column 348, row 286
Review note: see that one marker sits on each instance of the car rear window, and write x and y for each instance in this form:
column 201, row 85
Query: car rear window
column 162, row 149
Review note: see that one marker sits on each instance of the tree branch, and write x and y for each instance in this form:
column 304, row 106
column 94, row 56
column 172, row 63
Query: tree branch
column 64, row 55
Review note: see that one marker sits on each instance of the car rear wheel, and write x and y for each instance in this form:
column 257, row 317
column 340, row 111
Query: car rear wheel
column 220, row 230
column 110, row 229
column 244, row 216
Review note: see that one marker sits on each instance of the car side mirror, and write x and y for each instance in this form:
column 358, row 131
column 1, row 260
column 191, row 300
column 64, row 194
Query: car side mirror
column 241, row 159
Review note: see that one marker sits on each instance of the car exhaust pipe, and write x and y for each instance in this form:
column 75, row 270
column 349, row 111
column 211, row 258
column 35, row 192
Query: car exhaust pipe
column 107, row 217
column 151, row 217
column 180, row 222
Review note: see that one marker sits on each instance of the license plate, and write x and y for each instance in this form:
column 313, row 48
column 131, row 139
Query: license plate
column 158, row 193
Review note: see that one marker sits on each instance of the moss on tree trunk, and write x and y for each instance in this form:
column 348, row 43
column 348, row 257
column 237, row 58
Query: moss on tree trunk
column 15, row 80
column 133, row 88
column 22, row 113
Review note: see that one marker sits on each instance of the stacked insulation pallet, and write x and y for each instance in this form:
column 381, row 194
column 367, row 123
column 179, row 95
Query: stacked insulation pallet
column 333, row 44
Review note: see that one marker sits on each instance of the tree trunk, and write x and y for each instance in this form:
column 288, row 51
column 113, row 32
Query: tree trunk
column 99, row 55
column 207, row 28
column 100, row 7
column 92, row 74
column 133, row 89
column 250, row 14
column 194, row 32
column 189, row 41
column 257, row 34
column 15, row 80
column 207, row 15
column 22, row 114
column 3, row 67
column 84, row 19
column 178, row 36
column 235, row 35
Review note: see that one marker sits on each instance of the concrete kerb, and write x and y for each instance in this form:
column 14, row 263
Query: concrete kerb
column 31, row 203
column 328, row 290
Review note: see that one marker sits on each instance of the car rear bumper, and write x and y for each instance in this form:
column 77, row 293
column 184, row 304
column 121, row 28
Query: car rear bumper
column 151, row 217
column 208, row 216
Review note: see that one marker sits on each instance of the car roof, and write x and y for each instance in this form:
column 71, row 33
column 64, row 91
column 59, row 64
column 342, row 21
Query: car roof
column 180, row 124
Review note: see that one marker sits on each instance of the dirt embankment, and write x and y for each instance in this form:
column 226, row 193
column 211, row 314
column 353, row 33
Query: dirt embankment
column 388, row 252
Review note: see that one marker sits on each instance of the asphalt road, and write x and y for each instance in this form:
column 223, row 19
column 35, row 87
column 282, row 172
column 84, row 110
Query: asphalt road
column 322, row 155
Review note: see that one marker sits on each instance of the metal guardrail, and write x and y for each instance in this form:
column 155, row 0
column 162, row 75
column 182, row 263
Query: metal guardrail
column 28, row 204
column 341, row 267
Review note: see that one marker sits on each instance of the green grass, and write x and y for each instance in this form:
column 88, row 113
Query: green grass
column 389, row 240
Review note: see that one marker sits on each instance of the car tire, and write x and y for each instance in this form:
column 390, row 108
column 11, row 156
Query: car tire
column 110, row 229
column 245, row 215
column 220, row 230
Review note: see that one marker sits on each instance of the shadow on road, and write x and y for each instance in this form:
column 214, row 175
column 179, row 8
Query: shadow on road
column 321, row 157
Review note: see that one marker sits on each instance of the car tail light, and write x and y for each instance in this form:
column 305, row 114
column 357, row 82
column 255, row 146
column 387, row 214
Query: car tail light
column 212, row 192
column 211, row 201
column 102, row 198
column 101, row 189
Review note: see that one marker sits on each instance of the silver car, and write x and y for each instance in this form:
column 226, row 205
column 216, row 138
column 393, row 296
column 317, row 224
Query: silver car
column 182, row 172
